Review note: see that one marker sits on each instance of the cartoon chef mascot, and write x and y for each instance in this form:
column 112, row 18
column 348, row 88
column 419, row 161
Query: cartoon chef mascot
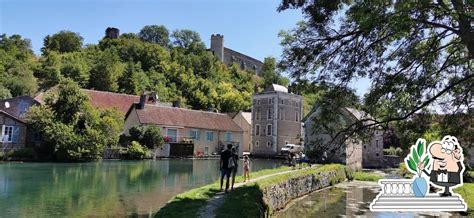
column 448, row 167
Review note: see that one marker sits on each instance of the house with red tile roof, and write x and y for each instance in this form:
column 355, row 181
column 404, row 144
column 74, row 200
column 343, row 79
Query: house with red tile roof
column 187, row 132
column 109, row 100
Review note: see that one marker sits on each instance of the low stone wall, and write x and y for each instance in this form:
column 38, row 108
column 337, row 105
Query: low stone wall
column 278, row 195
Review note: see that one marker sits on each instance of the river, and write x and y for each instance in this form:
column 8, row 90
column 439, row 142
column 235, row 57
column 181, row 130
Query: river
column 349, row 199
column 106, row 188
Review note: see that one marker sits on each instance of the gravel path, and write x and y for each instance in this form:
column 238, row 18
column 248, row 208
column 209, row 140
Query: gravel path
column 217, row 200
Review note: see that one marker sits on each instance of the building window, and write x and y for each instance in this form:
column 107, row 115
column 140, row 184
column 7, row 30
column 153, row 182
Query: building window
column 282, row 101
column 377, row 154
column 209, row 136
column 282, row 114
column 194, row 134
column 270, row 101
column 23, row 107
column 297, row 117
column 269, row 114
column 269, row 129
column 257, row 129
column 173, row 134
column 228, row 136
column 365, row 146
column 269, row 144
column 10, row 133
column 256, row 144
column 377, row 143
column 258, row 101
column 206, row 150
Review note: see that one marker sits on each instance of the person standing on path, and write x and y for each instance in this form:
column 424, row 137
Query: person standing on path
column 235, row 159
column 225, row 166
column 246, row 168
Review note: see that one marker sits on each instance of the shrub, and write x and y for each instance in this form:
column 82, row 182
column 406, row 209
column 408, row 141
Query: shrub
column 135, row 151
column 393, row 151
column 404, row 172
column 23, row 153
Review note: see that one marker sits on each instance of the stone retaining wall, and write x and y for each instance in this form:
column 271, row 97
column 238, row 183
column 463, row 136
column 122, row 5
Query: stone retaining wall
column 277, row 196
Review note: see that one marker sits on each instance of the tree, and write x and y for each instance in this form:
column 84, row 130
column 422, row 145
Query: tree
column 152, row 137
column 270, row 73
column 72, row 130
column 17, row 62
column 416, row 54
column 133, row 80
column 149, row 136
column 155, row 34
column 62, row 42
column 4, row 93
column 187, row 39
column 75, row 66
column 106, row 71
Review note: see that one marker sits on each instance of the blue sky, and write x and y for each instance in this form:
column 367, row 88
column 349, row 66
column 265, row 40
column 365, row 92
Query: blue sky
column 248, row 26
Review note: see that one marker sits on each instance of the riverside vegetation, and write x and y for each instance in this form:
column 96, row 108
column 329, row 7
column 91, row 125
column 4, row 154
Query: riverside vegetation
column 248, row 198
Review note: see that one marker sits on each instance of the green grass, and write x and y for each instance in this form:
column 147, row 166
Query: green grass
column 187, row 204
column 246, row 201
column 366, row 176
column 467, row 192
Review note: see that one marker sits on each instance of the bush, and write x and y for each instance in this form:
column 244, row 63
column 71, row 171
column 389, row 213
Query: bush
column 135, row 151
column 393, row 151
column 149, row 136
column 23, row 153
column 366, row 176
column 404, row 172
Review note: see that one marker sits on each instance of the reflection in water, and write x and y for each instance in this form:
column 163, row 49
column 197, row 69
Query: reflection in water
column 109, row 188
column 345, row 200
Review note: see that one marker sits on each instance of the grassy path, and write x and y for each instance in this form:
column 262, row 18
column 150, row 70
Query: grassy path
column 216, row 201
column 190, row 203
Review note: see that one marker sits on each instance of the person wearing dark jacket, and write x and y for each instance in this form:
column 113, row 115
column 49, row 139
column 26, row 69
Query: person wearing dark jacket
column 225, row 167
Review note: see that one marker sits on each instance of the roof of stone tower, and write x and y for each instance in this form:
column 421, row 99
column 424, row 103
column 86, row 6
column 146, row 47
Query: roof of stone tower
column 276, row 88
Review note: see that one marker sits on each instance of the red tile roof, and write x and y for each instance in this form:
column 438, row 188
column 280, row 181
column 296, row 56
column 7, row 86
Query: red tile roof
column 106, row 100
column 172, row 116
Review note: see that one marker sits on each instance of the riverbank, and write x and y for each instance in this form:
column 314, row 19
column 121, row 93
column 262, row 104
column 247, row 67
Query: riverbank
column 189, row 203
column 258, row 197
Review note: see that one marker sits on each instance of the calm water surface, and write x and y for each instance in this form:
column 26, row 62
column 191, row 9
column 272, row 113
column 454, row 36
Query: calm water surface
column 108, row 188
column 346, row 200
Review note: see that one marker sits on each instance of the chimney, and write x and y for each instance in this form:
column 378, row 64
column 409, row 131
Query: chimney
column 141, row 104
column 177, row 103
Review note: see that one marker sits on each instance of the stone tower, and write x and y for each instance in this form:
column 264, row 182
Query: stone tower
column 217, row 46
column 112, row 32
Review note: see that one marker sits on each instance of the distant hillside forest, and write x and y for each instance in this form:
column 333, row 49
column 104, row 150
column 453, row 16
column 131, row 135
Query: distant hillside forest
column 176, row 66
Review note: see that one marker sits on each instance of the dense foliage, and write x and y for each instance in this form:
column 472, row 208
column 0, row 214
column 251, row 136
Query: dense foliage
column 176, row 66
column 149, row 136
column 416, row 54
column 72, row 130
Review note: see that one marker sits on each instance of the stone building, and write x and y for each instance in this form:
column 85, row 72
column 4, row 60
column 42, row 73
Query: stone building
column 354, row 152
column 229, row 56
column 112, row 33
column 276, row 120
